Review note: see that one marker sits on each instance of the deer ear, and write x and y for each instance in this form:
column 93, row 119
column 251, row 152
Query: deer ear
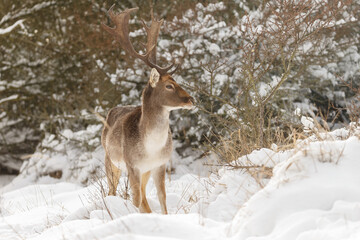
column 154, row 77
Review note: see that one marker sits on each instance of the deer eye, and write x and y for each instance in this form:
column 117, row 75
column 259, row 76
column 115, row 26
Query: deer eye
column 170, row 87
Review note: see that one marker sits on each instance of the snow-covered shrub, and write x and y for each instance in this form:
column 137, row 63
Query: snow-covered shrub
column 70, row 156
column 265, row 66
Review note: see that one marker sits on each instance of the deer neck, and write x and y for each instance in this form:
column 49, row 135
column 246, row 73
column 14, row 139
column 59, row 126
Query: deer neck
column 154, row 118
column 154, row 122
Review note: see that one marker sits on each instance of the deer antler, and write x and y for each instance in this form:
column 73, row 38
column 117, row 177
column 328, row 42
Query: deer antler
column 121, row 33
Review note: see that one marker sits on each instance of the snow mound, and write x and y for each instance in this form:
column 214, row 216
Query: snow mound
column 312, row 195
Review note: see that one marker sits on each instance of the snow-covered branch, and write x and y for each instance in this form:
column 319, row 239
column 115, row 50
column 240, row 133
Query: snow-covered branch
column 12, row 97
column 24, row 12
column 10, row 28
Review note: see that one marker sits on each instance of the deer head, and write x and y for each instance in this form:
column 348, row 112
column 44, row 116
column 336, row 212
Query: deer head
column 168, row 93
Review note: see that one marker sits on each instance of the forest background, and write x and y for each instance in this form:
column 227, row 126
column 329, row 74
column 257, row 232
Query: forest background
column 261, row 72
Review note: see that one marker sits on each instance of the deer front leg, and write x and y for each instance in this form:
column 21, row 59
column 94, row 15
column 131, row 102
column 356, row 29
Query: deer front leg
column 112, row 174
column 134, row 176
column 144, row 206
column 159, row 179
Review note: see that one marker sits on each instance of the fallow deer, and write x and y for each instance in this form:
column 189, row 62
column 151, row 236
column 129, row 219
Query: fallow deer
column 137, row 139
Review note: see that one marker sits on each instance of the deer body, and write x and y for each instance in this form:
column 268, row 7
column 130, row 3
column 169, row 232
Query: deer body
column 133, row 141
column 138, row 139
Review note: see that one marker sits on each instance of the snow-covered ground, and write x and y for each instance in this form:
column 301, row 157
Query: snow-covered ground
column 6, row 179
column 313, row 194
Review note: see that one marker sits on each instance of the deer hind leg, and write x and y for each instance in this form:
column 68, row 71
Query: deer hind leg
column 144, row 206
column 134, row 177
column 159, row 180
column 112, row 174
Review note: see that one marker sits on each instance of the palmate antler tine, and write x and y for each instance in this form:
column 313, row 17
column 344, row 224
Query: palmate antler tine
column 161, row 70
column 152, row 32
column 121, row 29
column 176, row 68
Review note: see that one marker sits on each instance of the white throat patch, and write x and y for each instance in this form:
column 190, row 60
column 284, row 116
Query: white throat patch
column 155, row 141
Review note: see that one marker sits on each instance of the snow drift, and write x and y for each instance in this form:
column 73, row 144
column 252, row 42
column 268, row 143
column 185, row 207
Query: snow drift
column 313, row 194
